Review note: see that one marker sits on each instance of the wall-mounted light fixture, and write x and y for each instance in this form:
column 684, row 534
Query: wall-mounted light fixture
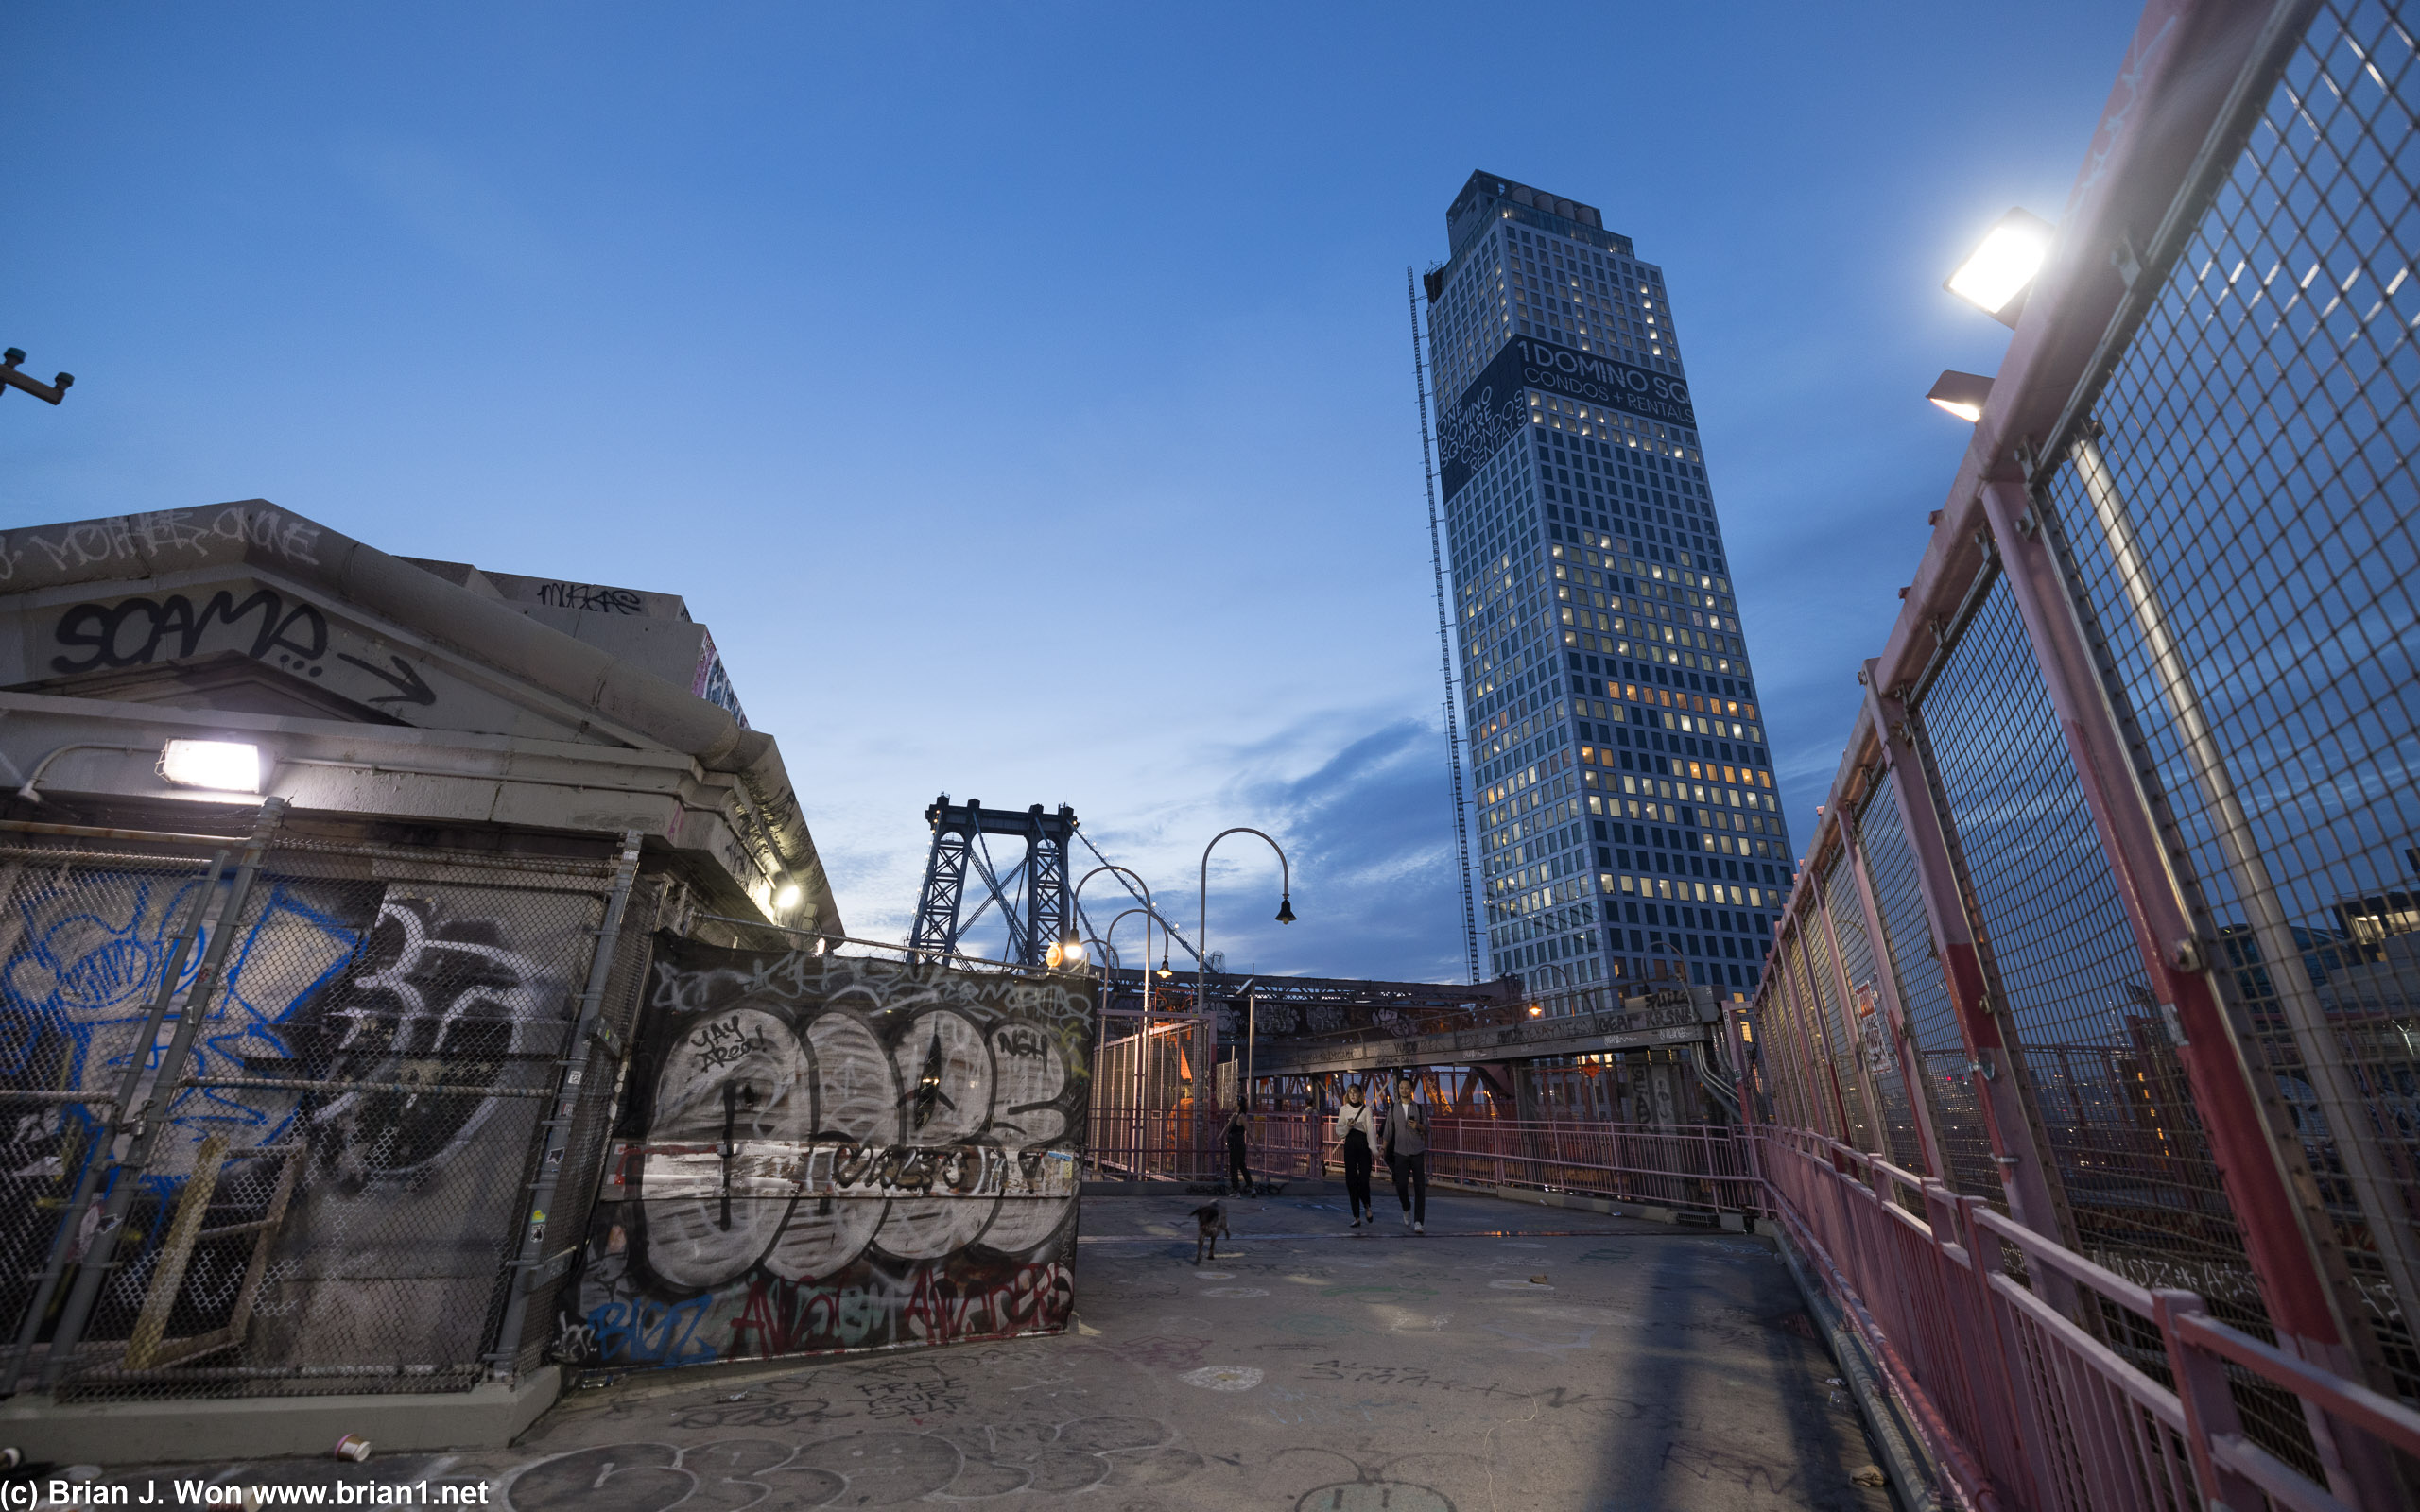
column 223, row 766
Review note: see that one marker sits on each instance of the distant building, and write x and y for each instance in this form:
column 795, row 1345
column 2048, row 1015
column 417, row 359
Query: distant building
column 1627, row 823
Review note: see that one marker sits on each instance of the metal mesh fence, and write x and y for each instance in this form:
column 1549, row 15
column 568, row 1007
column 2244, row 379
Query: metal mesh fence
column 343, row 1140
column 1873, row 1042
column 1789, row 1047
column 2241, row 537
column 1840, row 1030
column 2147, row 1199
column 1923, row 995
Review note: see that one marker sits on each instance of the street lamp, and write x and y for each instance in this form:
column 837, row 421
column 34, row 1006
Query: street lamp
column 1142, row 1031
column 1997, row 274
column 1202, row 933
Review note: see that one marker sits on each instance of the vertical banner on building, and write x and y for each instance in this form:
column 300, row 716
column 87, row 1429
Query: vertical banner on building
column 819, row 1154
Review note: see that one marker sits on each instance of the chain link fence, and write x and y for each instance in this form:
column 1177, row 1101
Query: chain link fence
column 276, row 1110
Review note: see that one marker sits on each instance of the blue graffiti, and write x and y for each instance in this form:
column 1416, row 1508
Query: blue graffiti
column 635, row 1330
column 79, row 988
column 87, row 964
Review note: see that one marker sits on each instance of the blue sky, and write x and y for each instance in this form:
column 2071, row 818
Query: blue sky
column 1021, row 393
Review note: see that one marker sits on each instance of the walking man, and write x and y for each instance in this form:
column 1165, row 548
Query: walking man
column 1238, row 1176
column 1407, row 1146
column 1353, row 1132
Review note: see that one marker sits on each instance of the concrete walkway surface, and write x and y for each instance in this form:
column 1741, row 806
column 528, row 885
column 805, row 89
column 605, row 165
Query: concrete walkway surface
column 1514, row 1358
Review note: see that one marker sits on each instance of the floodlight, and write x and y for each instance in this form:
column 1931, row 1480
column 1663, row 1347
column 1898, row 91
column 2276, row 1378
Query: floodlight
column 1962, row 393
column 1997, row 274
column 785, row 897
column 226, row 765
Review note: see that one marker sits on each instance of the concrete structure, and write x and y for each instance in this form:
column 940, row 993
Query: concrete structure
column 423, row 693
column 400, row 1007
column 1628, row 822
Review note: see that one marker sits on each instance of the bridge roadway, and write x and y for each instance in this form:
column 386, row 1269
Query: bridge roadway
column 1652, row 1368
column 1681, row 1016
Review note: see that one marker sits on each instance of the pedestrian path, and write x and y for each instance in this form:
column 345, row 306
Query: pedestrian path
column 1508, row 1359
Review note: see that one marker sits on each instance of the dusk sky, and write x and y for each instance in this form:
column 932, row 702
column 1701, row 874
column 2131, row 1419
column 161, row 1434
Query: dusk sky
column 1022, row 394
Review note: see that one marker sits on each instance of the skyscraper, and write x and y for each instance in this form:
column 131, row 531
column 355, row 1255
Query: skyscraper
column 1627, row 825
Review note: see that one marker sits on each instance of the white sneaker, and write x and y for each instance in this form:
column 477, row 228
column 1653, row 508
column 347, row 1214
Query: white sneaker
column 1356, row 1222
column 1420, row 1227
column 1406, row 1218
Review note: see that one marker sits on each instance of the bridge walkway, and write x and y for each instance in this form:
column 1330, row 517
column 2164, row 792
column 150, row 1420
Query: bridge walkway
column 1514, row 1356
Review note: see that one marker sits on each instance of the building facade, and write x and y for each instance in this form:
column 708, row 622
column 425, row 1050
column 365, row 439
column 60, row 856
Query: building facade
column 1628, row 824
column 332, row 888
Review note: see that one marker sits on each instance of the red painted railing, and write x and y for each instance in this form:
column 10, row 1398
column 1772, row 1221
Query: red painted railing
column 2033, row 1377
column 1695, row 1167
column 1975, row 1322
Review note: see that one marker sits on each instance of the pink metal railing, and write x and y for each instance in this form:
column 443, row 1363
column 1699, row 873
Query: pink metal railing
column 1690, row 1166
column 1979, row 1325
column 2022, row 1406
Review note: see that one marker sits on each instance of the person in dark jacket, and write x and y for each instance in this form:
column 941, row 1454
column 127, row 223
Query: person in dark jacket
column 1407, row 1150
column 1352, row 1131
column 1238, row 1175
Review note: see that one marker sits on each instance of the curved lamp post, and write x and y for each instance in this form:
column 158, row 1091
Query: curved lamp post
column 1201, row 936
column 1142, row 1039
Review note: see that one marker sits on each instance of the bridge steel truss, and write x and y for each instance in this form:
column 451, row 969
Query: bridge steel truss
column 1031, row 896
column 2105, row 953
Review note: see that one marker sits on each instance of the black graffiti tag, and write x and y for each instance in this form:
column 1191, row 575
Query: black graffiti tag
column 721, row 1045
column 131, row 632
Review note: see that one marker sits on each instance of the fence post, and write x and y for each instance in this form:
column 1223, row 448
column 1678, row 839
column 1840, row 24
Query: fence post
column 150, row 1121
column 2029, row 1449
column 2209, row 1406
column 2269, row 1184
column 2009, row 1117
column 1894, row 1011
column 523, row 1273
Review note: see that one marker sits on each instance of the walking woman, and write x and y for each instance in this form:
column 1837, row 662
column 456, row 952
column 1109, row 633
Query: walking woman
column 1354, row 1132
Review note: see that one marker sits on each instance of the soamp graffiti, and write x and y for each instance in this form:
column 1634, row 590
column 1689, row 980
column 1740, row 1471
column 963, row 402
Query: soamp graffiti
column 262, row 625
column 826, row 1154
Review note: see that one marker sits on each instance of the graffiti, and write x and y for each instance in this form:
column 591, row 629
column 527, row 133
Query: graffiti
column 140, row 539
column 405, row 680
column 131, row 631
column 712, row 681
column 640, row 1330
column 595, row 599
column 89, row 951
column 880, row 1467
column 842, row 1154
column 436, row 995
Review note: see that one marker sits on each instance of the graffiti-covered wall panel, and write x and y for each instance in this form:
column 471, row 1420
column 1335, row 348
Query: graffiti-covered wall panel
column 367, row 1080
column 456, row 1005
column 819, row 1152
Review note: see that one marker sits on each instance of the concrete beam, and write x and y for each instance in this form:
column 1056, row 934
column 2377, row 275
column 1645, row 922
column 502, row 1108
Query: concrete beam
column 488, row 1416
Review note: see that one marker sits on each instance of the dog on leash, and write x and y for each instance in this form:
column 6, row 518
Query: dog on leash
column 1213, row 1221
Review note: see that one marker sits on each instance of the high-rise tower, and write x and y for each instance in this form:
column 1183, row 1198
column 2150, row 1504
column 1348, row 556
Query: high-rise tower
column 1627, row 820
